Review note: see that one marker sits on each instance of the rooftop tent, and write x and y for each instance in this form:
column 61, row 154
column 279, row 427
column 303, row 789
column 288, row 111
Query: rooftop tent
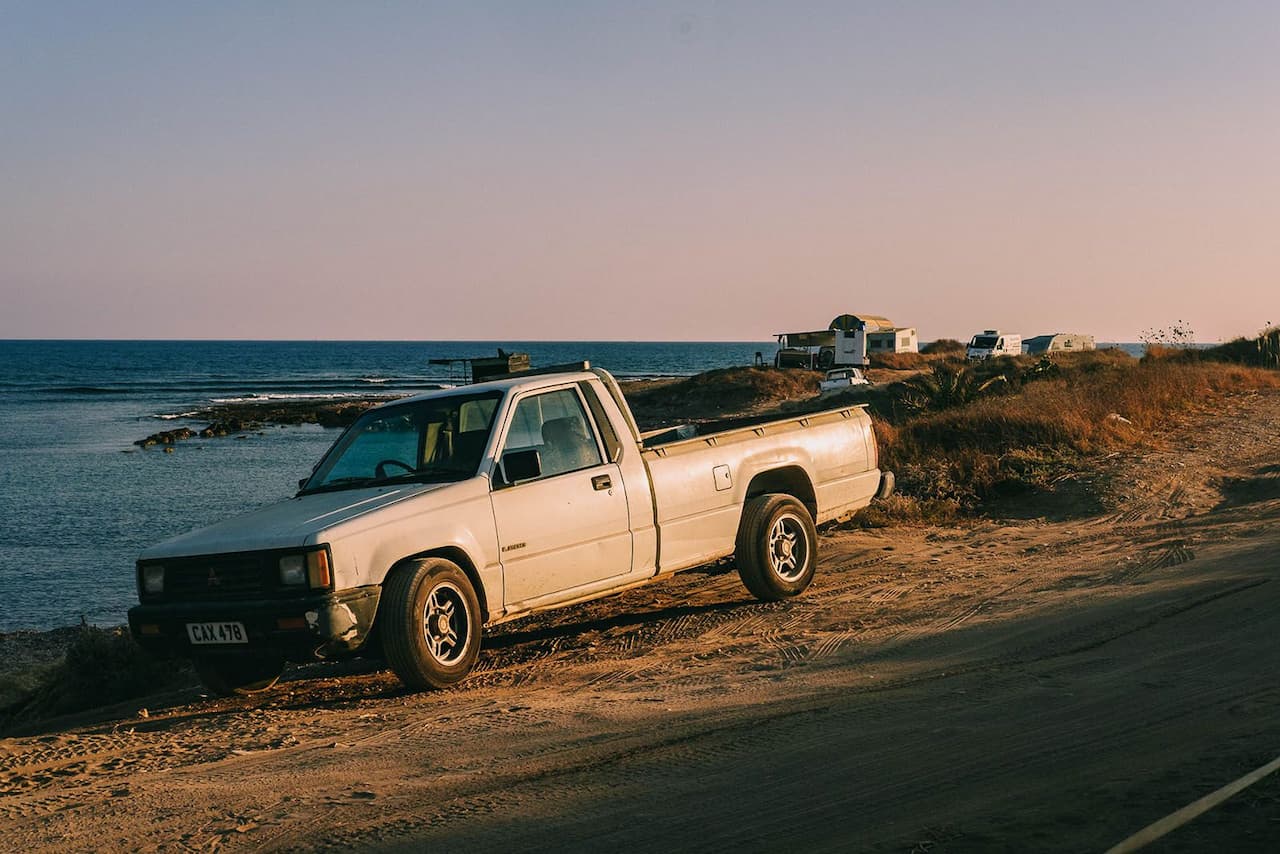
column 852, row 323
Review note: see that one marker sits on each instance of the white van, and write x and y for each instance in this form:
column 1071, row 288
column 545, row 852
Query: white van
column 991, row 343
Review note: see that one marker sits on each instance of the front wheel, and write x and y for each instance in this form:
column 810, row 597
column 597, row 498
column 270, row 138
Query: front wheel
column 240, row 673
column 431, row 623
column 777, row 547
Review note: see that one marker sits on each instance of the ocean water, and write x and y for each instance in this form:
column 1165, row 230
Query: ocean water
column 78, row 501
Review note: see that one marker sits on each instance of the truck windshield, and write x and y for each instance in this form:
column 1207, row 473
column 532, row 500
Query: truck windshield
column 439, row 439
column 984, row 341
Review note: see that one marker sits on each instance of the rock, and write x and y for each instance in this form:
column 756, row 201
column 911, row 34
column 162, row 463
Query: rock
column 1118, row 418
column 166, row 437
column 228, row 426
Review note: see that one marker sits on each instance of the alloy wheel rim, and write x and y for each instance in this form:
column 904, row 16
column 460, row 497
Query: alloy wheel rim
column 445, row 627
column 788, row 548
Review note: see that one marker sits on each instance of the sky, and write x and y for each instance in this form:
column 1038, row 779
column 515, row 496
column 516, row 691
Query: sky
column 636, row 171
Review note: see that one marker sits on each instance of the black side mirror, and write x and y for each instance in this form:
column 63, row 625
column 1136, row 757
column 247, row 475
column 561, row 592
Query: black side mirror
column 521, row 465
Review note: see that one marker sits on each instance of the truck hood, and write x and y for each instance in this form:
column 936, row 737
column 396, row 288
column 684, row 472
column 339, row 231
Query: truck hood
column 289, row 524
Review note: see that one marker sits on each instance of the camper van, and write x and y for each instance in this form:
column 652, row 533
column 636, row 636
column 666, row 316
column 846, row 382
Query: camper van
column 991, row 343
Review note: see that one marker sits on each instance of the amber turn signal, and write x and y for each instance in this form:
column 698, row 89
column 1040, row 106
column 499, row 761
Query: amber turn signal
column 318, row 575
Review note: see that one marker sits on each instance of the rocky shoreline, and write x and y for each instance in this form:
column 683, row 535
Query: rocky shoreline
column 241, row 419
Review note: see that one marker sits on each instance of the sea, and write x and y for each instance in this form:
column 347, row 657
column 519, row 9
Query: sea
column 79, row 501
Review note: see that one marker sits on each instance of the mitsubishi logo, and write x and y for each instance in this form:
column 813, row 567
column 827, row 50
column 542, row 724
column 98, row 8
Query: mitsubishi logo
column 214, row 580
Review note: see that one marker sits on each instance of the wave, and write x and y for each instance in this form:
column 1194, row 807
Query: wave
column 263, row 397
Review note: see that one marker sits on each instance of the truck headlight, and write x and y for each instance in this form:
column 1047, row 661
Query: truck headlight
column 153, row 579
column 306, row 569
column 293, row 570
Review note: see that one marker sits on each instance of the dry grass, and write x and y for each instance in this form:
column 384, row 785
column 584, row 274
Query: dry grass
column 720, row 393
column 945, row 347
column 1047, row 425
column 898, row 361
column 101, row 666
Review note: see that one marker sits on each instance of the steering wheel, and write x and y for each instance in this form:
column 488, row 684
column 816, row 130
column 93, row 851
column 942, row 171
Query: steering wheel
column 381, row 468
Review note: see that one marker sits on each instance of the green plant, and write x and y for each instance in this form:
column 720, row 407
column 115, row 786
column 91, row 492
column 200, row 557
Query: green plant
column 945, row 387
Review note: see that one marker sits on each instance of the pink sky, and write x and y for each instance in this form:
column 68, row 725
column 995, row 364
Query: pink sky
column 697, row 171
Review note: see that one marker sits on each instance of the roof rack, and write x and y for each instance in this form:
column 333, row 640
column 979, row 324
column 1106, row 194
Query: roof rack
column 566, row 368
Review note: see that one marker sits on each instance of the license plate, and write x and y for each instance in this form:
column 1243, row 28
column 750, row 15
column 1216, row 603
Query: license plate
column 207, row 633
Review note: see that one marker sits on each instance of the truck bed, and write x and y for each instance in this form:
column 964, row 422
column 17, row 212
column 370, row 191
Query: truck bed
column 724, row 429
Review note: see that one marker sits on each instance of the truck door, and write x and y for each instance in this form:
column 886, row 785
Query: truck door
column 568, row 527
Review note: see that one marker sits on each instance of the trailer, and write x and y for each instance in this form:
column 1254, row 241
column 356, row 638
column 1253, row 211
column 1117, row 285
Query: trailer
column 844, row 343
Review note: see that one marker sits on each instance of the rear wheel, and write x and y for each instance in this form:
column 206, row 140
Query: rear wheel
column 777, row 547
column 431, row 623
column 240, row 673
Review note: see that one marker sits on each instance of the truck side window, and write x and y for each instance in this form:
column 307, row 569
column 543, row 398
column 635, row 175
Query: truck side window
column 612, row 447
column 556, row 425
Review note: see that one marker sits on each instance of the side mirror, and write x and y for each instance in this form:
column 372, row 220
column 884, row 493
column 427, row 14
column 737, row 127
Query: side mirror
column 521, row 465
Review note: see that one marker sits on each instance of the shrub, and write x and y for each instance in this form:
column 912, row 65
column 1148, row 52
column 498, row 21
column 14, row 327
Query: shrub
column 102, row 666
column 944, row 387
column 1263, row 350
column 944, row 347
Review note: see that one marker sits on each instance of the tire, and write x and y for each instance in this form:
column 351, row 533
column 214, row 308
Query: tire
column 777, row 548
column 241, row 673
column 430, row 623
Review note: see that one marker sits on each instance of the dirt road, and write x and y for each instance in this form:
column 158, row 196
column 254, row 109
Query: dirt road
column 1010, row 685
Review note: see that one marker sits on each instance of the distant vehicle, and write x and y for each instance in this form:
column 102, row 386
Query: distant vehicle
column 1059, row 342
column 437, row 515
column 842, row 378
column 991, row 343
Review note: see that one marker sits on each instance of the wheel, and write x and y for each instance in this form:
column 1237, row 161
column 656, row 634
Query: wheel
column 777, row 547
column 241, row 673
column 431, row 623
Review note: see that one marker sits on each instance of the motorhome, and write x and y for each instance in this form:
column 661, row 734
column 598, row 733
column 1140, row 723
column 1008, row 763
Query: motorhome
column 1059, row 342
column 844, row 343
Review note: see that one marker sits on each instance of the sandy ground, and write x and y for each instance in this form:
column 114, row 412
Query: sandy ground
column 1015, row 684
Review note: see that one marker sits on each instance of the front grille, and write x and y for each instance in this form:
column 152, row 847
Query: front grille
column 218, row 577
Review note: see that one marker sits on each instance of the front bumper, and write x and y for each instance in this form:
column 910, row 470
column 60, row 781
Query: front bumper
column 303, row 628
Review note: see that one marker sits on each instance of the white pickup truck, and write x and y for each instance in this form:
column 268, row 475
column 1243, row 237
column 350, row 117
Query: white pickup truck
column 436, row 515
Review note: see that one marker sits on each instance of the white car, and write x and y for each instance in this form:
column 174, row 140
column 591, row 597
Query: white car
column 842, row 378
column 434, row 516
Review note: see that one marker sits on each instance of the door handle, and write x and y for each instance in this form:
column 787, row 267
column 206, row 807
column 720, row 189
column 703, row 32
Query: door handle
column 601, row 481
